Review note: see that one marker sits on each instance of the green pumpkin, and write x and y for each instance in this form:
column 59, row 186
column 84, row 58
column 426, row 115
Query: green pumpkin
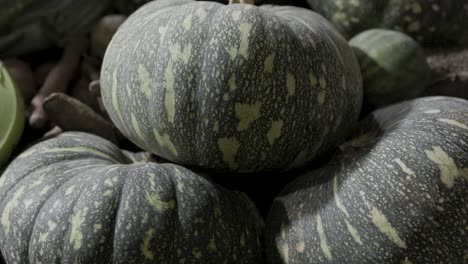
column 11, row 115
column 231, row 87
column 33, row 25
column 77, row 198
column 129, row 6
column 393, row 66
column 428, row 21
column 398, row 193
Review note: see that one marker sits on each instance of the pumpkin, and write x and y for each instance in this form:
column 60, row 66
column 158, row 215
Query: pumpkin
column 32, row 25
column 11, row 115
column 428, row 21
column 77, row 198
column 397, row 193
column 231, row 87
column 393, row 66
column 129, row 6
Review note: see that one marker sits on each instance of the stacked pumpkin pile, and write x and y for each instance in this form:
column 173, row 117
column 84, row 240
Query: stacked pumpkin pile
column 223, row 91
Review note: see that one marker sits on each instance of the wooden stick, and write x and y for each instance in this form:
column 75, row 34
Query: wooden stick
column 72, row 115
column 57, row 81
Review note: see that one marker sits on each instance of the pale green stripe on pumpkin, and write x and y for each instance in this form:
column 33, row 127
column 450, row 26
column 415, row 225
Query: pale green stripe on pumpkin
column 245, row 31
column 84, row 150
column 115, row 101
column 232, row 83
column 290, row 84
column 404, row 167
column 275, row 131
column 169, row 98
column 354, row 233
column 145, row 246
column 76, row 236
column 136, row 128
column 165, row 142
column 269, row 62
column 453, row 123
column 201, row 14
column 43, row 236
column 181, row 53
column 382, row 223
column 247, row 113
column 5, row 221
column 162, row 31
column 449, row 171
column 229, row 148
column 338, row 202
column 145, row 81
column 158, row 204
column 187, row 23
column 323, row 239
column 432, row 111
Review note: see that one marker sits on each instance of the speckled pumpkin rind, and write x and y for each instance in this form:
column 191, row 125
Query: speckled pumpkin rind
column 129, row 6
column 77, row 198
column 393, row 66
column 397, row 194
column 231, row 87
column 428, row 21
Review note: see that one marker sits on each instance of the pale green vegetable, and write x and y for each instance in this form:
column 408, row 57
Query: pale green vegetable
column 11, row 115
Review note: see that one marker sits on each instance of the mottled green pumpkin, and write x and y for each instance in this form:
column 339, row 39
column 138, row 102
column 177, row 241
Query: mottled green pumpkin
column 428, row 21
column 11, row 115
column 77, row 198
column 129, row 6
column 231, row 87
column 393, row 66
column 398, row 193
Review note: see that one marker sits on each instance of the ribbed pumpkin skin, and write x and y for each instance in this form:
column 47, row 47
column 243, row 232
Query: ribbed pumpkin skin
column 393, row 66
column 428, row 21
column 79, row 199
column 129, row 6
column 236, row 87
column 400, row 197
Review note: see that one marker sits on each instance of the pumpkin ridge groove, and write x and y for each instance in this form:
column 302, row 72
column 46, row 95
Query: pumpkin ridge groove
column 72, row 212
column 196, row 102
column 41, row 206
column 177, row 224
column 117, row 213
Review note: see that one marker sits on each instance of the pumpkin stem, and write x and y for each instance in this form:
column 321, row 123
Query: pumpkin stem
column 69, row 114
column 247, row 2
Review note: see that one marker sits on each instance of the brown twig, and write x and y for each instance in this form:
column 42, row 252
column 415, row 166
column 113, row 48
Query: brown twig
column 102, row 33
column 55, row 131
column 81, row 92
column 90, row 66
column 57, row 81
column 72, row 115
column 95, row 88
column 450, row 72
column 42, row 71
column 23, row 75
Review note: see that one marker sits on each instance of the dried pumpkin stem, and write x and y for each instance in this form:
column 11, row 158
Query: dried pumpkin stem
column 72, row 115
column 95, row 88
column 57, row 81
